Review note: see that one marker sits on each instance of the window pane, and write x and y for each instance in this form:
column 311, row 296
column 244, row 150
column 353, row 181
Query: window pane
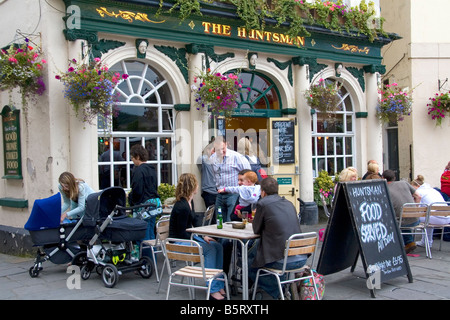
column 320, row 146
column 349, row 123
column 340, row 164
column 151, row 146
column 330, row 145
column 348, row 146
column 135, row 118
column 339, row 146
column 166, row 148
column 166, row 173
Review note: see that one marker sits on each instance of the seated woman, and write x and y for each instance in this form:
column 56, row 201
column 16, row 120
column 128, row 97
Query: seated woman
column 74, row 193
column 429, row 196
column 181, row 219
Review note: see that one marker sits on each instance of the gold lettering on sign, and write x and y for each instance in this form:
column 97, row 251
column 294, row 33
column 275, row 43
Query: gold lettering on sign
column 126, row 15
column 255, row 35
column 352, row 48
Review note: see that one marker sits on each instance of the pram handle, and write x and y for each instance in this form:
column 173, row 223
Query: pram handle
column 146, row 205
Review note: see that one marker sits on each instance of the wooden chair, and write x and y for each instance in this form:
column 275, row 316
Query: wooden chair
column 191, row 252
column 156, row 246
column 441, row 209
column 209, row 213
column 416, row 210
column 300, row 243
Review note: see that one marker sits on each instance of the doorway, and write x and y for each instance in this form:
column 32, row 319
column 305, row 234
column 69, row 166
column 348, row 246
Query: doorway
column 275, row 143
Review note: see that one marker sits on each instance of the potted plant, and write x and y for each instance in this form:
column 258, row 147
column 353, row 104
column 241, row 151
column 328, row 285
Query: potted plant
column 22, row 67
column 394, row 103
column 323, row 97
column 217, row 92
column 323, row 188
column 89, row 88
column 439, row 106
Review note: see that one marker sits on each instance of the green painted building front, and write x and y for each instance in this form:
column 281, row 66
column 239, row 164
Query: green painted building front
column 157, row 105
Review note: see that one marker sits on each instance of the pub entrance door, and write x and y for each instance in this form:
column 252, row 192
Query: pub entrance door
column 275, row 142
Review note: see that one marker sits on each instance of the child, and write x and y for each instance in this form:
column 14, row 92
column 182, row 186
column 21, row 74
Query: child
column 248, row 192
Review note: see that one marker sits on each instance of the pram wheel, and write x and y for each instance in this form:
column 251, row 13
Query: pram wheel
column 146, row 269
column 34, row 271
column 110, row 275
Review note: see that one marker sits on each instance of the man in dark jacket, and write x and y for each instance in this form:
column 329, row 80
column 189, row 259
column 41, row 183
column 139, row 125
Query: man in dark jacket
column 275, row 221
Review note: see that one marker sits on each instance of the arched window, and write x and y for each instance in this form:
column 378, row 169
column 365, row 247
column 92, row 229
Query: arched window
column 258, row 95
column 333, row 138
column 145, row 116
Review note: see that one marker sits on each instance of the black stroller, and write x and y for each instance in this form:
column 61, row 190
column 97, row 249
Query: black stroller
column 110, row 249
column 55, row 241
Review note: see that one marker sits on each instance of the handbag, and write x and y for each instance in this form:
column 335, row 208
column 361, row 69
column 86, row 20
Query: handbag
column 304, row 289
column 146, row 213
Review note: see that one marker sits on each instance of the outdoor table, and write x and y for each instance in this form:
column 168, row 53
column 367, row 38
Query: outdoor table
column 228, row 232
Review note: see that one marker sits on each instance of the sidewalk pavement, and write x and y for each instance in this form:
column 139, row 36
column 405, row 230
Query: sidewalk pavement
column 431, row 281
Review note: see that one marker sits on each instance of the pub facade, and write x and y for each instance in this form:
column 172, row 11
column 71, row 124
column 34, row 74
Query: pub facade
column 162, row 56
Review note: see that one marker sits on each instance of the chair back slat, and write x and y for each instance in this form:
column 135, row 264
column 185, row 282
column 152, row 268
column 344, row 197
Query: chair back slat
column 301, row 250
column 441, row 209
column 305, row 243
column 413, row 210
column 182, row 248
column 183, row 257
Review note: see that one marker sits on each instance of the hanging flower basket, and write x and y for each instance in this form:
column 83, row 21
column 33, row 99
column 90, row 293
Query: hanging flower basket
column 217, row 92
column 89, row 88
column 439, row 106
column 22, row 67
column 324, row 97
column 394, row 104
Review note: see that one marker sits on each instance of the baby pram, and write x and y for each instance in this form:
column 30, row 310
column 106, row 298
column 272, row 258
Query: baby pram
column 55, row 241
column 110, row 249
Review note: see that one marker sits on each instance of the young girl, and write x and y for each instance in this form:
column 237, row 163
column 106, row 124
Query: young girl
column 249, row 191
column 74, row 193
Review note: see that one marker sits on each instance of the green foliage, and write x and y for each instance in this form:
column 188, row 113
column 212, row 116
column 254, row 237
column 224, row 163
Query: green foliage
column 165, row 191
column 323, row 96
column 89, row 88
column 335, row 16
column 217, row 92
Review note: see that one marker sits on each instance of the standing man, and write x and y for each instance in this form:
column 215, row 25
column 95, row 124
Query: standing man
column 402, row 192
column 275, row 221
column 226, row 165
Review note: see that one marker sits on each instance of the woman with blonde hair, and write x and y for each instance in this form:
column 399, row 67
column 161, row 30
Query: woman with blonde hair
column 182, row 218
column 74, row 192
column 428, row 196
column 348, row 174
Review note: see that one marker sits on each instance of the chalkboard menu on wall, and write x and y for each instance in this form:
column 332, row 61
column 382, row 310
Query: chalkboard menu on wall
column 283, row 141
column 363, row 222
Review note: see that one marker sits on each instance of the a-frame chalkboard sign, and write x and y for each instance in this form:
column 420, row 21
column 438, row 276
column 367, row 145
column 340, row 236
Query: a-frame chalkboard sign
column 363, row 223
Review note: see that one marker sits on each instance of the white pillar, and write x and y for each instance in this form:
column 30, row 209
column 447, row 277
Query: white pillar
column 83, row 138
column 304, row 128
column 198, row 124
column 374, row 129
